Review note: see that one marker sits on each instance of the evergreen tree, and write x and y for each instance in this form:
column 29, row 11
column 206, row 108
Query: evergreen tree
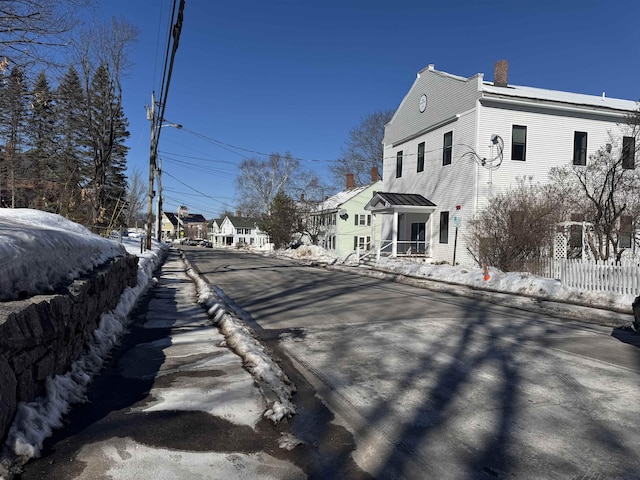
column 73, row 147
column 116, row 180
column 282, row 221
column 13, row 116
column 108, row 130
column 41, row 160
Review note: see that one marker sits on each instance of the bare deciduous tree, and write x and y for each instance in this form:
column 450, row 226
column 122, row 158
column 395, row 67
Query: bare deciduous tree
column 604, row 191
column 136, row 195
column 515, row 228
column 260, row 180
column 29, row 29
column 363, row 150
column 103, row 56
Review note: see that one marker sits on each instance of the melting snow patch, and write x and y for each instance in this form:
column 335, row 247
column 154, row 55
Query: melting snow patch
column 268, row 374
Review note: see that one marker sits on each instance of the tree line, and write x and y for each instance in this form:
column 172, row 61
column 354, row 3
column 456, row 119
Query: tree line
column 62, row 139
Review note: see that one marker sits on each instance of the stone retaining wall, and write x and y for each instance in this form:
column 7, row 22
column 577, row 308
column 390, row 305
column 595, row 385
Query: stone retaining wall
column 43, row 335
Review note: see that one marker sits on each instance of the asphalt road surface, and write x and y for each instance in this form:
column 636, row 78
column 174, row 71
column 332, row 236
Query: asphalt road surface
column 433, row 385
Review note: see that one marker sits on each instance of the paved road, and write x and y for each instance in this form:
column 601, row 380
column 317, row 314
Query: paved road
column 433, row 385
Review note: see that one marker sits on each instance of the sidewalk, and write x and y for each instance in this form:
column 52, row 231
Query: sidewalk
column 174, row 402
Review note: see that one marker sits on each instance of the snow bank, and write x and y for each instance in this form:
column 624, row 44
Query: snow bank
column 274, row 383
column 35, row 420
column 40, row 251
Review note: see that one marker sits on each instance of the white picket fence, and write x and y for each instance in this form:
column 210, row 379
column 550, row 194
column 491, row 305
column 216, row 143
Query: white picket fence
column 606, row 276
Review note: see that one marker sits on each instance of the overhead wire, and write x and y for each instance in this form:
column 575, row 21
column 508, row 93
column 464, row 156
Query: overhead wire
column 198, row 191
column 174, row 35
column 229, row 146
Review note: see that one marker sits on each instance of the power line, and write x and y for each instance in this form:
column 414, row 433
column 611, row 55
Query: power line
column 201, row 193
column 228, row 146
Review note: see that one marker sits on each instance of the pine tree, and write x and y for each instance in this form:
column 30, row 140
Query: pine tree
column 13, row 115
column 108, row 130
column 116, row 179
column 41, row 156
column 282, row 221
column 73, row 147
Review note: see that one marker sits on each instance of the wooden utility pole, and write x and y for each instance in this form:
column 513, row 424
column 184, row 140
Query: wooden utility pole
column 151, row 114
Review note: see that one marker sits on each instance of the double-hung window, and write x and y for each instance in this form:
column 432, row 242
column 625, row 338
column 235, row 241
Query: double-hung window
column 519, row 143
column 447, row 148
column 444, row 227
column 628, row 153
column 420, row 157
column 399, row 164
column 626, row 231
column 580, row 148
column 363, row 219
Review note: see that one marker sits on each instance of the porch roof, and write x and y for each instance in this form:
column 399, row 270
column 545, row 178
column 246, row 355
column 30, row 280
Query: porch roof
column 389, row 202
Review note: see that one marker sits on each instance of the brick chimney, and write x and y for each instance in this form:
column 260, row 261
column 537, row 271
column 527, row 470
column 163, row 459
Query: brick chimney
column 238, row 213
column 374, row 174
column 501, row 73
column 351, row 182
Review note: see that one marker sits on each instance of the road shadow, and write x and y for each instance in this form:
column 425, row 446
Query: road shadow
column 626, row 335
column 109, row 392
column 486, row 352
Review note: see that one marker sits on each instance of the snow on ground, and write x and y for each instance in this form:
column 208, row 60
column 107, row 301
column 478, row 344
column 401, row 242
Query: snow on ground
column 274, row 383
column 129, row 459
column 520, row 283
column 40, row 251
column 33, row 242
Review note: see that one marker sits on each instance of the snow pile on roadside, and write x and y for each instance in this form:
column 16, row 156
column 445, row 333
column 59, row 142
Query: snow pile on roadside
column 520, row 283
column 272, row 380
column 307, row 252
column 35, row 420
column 40, row 251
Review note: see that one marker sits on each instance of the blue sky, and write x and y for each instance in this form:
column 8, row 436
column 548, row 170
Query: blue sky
column 293, row 75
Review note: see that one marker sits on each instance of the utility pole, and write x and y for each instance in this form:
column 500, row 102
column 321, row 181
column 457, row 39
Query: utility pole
column 159, row 212
column 152, row 167
column 159, row 182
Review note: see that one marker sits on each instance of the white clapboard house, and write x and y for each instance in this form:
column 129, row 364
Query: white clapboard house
column 455, row 141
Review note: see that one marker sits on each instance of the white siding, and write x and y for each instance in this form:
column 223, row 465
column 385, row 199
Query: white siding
column 445, row 185
column 447, row 95
column 474, row 112
column 549, row 143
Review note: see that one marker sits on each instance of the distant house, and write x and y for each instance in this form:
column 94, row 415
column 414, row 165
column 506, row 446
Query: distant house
column 169, row 226
column 238, row 231
column 341, row 221
column 455, row 142
column 185, row 225
column 194, row 225
column 214, row 231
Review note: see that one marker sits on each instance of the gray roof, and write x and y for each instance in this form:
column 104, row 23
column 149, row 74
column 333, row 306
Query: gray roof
column 402, row 199
column 533, row 93
column 244, row 222
column 193, row 218
column 546, row 95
